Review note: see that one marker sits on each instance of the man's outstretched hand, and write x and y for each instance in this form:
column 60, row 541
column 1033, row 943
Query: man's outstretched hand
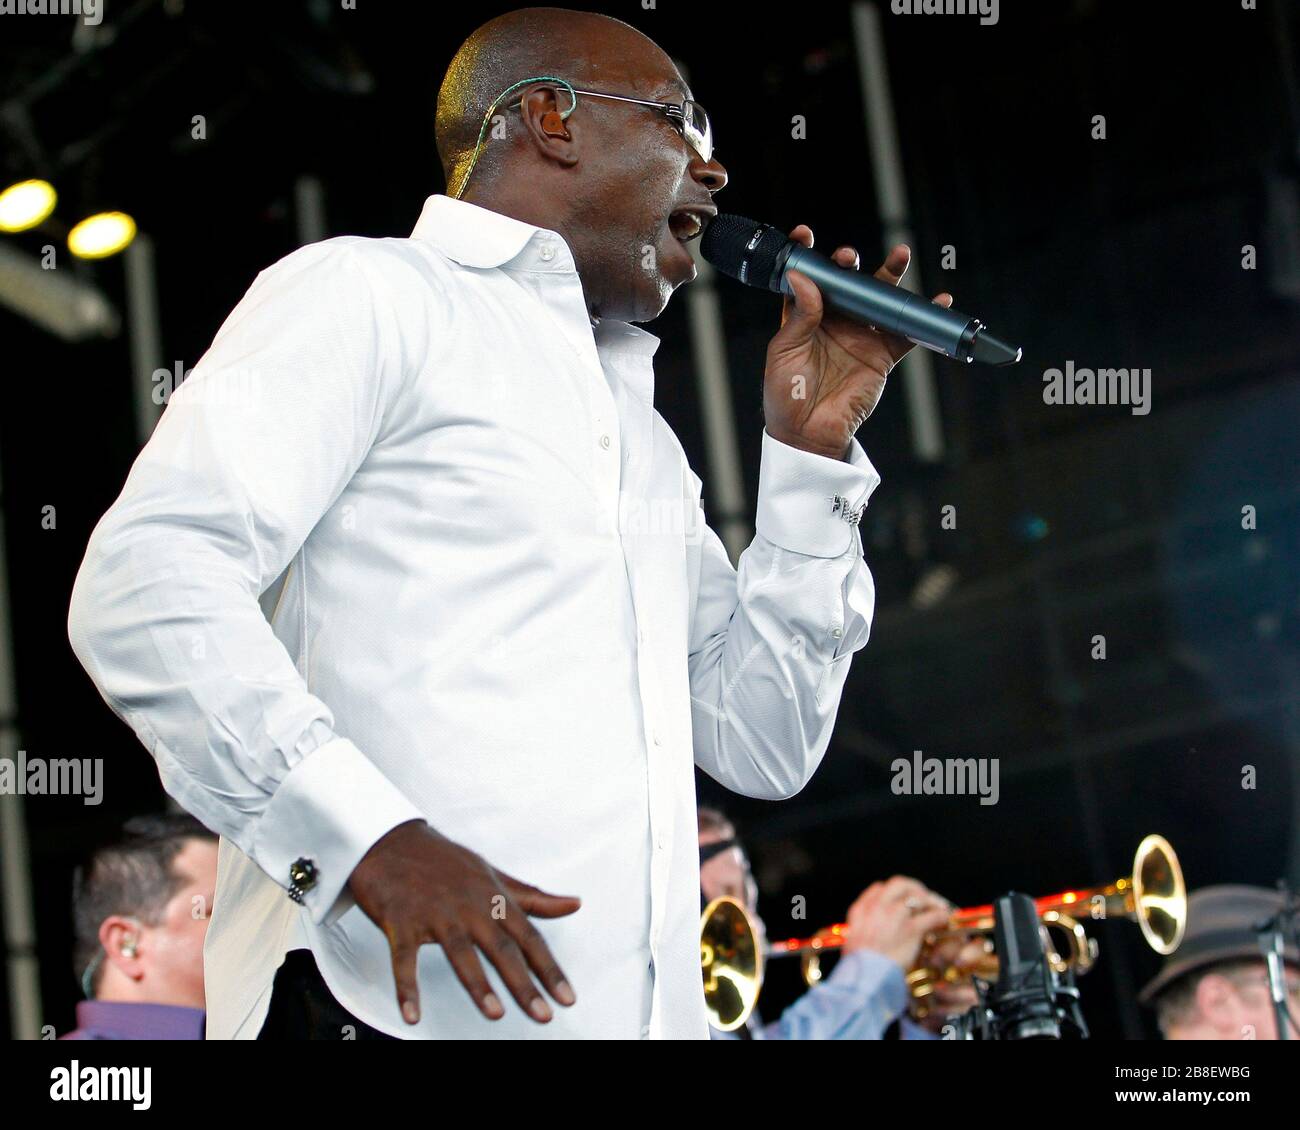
column 419, row 887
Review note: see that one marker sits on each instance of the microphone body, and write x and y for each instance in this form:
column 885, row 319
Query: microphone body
column 1024, row 998
column 759, row 255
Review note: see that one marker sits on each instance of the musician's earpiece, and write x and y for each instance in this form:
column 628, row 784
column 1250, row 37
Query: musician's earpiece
column 552, row 122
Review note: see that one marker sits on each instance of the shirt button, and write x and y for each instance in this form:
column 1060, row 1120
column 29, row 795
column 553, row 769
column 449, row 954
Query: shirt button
column 604, row 442
column 547, row 253
column 837, row 632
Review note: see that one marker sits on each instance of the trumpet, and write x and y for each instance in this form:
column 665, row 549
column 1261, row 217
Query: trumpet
column 1152, row 895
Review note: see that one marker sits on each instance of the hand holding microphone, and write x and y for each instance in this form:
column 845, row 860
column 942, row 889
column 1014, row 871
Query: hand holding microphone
column 841, row 332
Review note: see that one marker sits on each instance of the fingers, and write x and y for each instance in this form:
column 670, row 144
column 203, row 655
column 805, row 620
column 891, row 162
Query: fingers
column 929, row 920
column 803, row 314
column 902, row 887
column 513, row 946
column 421, row 888
column 535, row 951
column 459, row 948
column 926, row 911
column 848, row 258
column 408, row 986
column 844, row 256
column 456, row 944
column 536, row 902
column 803, row 310
column 894, row 267
column 501, row 949
column 891, row 271
column 530, row 944
column 511, row 943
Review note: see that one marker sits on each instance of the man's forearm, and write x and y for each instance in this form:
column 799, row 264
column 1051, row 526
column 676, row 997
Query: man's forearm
column 771, row 644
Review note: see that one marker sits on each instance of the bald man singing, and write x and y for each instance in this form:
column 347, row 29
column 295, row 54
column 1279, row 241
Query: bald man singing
column 453, row 773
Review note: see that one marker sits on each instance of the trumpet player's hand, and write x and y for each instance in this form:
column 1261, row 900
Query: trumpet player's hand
column 893, row 918
column 420, row 887
column 952, row 997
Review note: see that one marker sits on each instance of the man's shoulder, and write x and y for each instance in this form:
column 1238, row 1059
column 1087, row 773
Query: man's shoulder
column 386, row 264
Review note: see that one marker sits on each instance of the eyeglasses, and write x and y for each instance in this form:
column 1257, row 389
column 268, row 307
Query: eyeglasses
column 688, row 118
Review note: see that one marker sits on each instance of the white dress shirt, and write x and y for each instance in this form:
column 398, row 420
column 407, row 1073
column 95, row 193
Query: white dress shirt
column 503, row 614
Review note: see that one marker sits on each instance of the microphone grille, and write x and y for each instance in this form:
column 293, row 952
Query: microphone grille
column 744, row 249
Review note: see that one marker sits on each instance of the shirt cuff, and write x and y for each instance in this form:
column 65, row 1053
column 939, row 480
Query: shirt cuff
column 330, row 809
column 797, row 497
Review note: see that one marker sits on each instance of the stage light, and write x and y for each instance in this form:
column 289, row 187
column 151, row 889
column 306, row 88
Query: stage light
column 57, row 301
column 26, row 204
column 101, row 235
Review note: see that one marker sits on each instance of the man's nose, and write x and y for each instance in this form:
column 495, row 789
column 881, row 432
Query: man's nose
column 710, row 174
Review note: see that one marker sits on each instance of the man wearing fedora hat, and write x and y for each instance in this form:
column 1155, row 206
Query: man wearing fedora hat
column 1215, row 985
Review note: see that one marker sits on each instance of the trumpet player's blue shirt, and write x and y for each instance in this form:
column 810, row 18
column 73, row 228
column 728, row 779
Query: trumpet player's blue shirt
column 862, row 996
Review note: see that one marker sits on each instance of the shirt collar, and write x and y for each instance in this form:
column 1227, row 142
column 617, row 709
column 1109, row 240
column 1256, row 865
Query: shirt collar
column 478, row 237
column 473, row 236
column 126, row 1020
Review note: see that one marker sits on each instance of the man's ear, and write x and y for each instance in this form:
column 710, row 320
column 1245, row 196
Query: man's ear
column 120, row 937
column 1215, row 996
column 546, row 126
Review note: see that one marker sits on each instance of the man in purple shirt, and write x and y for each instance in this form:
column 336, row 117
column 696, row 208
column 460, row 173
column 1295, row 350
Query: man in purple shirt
column 141, row 908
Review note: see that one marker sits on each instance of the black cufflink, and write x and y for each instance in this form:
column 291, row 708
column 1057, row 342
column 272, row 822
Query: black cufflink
column 302, row 877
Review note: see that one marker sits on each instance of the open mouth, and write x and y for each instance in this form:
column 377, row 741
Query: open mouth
column 689, row 223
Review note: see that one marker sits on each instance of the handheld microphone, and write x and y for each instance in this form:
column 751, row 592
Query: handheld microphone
column 759, row 255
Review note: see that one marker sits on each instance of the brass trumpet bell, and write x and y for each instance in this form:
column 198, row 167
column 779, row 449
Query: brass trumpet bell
column 732, row 963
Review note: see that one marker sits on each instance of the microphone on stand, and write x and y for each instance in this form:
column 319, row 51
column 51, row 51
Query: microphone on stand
column 1029, row 1001
column 759, row 255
